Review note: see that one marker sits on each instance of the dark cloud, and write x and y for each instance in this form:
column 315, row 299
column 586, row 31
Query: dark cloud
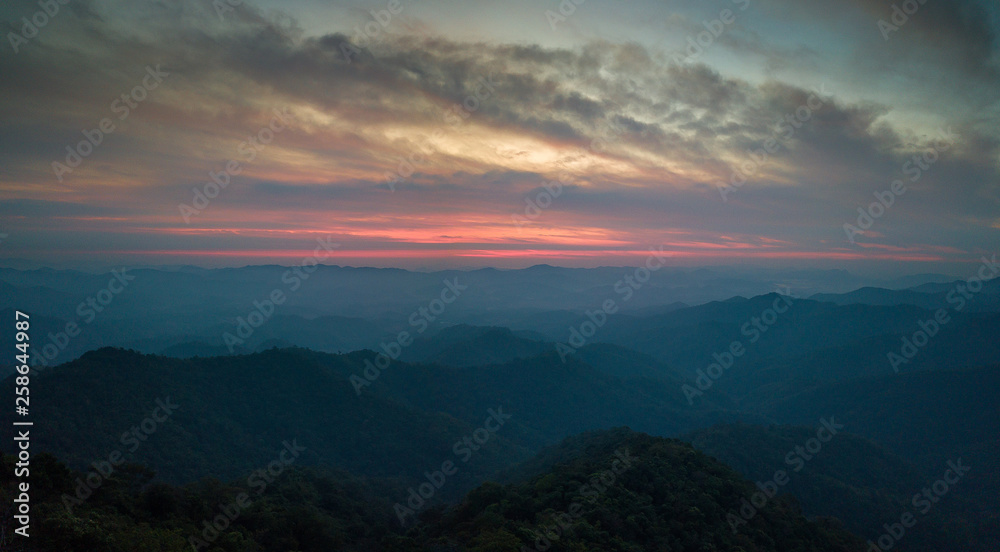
column 671, row 131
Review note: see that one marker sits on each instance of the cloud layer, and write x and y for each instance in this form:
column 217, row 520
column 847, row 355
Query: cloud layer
column 425, row 145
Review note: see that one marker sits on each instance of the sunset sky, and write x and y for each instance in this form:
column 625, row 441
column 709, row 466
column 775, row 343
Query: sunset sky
column 489, row 101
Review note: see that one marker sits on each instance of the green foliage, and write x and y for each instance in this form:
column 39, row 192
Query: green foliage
column 671, row 497
column 667, row 496
column 304, row 509
column 235, row 412
column 852, row 478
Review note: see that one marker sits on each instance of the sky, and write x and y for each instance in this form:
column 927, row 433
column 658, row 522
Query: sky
column 438, row 133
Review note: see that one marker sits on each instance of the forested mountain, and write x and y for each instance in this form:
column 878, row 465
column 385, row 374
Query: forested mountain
column 859, row 483
column 231, row 415
column 228, row 416
column 500, row 276
column 233, row 411
column 614, row 491
column 495, row 399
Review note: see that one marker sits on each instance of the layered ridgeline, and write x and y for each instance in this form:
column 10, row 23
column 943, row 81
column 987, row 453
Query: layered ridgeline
column 226, row 416
column 609, row 491
column 930, row 419
column 229, row 417
column 862, row 484
column 338, row 309
column 619, row 490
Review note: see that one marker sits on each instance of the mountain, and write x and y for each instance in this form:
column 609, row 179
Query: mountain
column 884, row 297
column 551, row 399
column 189, row 349
column 852, row 479
column 926, row 418
column 226, row 416
column 929, row 419
column 930, row 296
column 613, row 491
column 769, row 346
column 235, row 410
column 338, row 308
column 961, row 343
column 620, row 491
column 624, row 363
column 464, row 345
column 687, row 338
column 492, row 382
column 305, row 509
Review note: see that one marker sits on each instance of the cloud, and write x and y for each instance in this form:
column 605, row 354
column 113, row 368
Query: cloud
column 642, row 137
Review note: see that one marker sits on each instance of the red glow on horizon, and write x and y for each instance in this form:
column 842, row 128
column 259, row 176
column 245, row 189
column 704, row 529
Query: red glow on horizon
column 540, row 254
